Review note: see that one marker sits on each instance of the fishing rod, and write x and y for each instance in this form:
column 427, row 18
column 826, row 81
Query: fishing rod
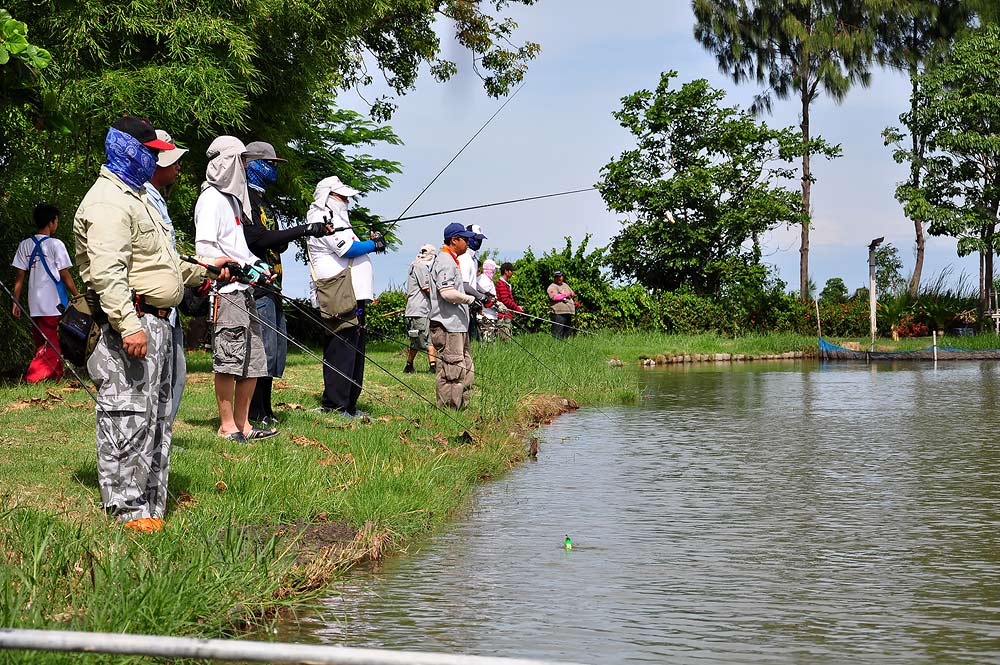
column 241, row 276
column 498, row 203
column 564, row 325
column 394, row 222
column 553, row 372
column 83, row 384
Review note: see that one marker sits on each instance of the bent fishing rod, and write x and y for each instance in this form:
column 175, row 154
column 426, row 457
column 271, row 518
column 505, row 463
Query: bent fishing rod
column 242, row 277
column 83, row 384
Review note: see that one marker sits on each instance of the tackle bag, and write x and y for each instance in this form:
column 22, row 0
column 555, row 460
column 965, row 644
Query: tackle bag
column 337, row 302
column 78, row 333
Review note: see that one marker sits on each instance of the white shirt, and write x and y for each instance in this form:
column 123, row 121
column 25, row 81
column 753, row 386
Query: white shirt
column 486, row 286
column 43, row 298
column 326, row 255
column 468, row 266
column 153, row 196
column 219, row 232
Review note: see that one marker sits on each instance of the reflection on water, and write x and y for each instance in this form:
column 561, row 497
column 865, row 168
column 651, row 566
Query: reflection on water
column 758, row 513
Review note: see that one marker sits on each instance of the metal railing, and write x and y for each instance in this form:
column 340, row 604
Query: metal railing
column 267, row 652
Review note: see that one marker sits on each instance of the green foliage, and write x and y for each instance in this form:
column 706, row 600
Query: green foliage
column 700, row 186
column 835, row 291
column 958, row 110
column 384, row 318
column 14, row 44
column 583, row 272
column 849, row 319
column 888, row 270
column 799, row 47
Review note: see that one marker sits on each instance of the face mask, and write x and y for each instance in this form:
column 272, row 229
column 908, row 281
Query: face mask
column 128, row 159
column 261, row 173
column 475, row 244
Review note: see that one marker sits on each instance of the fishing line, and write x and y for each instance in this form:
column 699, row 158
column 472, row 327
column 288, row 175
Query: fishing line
column 323, row 361
column 498, row 203
column 393, row 223
column 83, row 384
column 564, row 325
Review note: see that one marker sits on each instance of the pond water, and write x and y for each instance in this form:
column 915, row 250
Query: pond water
column 741, row 513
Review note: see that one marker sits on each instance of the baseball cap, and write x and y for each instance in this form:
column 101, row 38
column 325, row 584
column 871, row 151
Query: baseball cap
column 265, row 151
column 142, row 131
column 477, row 231
column 337, row 186
column 456, row 229
column 168, row 157
column 557, row 273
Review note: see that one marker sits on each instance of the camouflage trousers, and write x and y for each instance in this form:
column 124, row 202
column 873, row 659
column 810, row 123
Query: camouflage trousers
column 134, row 421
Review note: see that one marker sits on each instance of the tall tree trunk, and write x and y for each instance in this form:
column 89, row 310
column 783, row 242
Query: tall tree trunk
column 916, row 167
column 806, row 195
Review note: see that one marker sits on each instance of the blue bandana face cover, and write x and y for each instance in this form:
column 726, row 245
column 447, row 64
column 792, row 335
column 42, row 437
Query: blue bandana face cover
column 128, row 159
column 261, row 174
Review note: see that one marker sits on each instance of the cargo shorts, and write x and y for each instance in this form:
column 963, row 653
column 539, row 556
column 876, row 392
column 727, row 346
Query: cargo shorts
column 418, row 328
column 237, row 344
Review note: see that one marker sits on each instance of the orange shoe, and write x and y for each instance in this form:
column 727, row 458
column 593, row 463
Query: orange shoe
column 145, row 524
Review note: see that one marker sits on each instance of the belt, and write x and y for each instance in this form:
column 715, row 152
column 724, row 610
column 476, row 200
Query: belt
column 158, row 312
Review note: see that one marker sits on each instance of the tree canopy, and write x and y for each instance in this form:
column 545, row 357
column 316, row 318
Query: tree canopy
column 699, row 188
column 793, row 47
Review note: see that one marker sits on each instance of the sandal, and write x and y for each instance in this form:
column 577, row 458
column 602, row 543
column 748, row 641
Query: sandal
column 236, row 437
column 257, row 434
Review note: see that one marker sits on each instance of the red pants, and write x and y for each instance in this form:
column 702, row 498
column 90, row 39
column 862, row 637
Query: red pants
column 46, row 364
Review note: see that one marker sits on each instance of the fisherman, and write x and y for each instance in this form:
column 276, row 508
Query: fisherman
column 158, row 188
column 468, row 265
column 238, row 357
column 267, row 242
column 418, row 307
column 42, row 258
column 505, row 294
column 488, row 319
column 563, row 307
column 450, row 315
column 345, row 284
column 131, row 270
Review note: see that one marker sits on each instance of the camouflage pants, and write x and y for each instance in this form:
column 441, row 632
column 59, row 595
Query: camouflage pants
column 134, row 423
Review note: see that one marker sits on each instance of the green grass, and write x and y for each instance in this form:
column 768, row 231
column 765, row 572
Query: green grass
column 224, row 564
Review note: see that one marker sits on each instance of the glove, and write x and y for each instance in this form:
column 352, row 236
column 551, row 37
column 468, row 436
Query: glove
column 379, row 240
column 489, row 301
column 317, row 229
column 560, row 296
column 502, row 308
column 476, row 306
column 257, row 273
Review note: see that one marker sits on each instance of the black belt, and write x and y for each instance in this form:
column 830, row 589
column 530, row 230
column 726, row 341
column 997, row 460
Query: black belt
column 158, row 312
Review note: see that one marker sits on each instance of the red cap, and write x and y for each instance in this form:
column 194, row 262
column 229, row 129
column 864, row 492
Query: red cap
column 142, row 131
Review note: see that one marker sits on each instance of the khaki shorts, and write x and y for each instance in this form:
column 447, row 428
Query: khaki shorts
column 237, row 345
column 419, row 330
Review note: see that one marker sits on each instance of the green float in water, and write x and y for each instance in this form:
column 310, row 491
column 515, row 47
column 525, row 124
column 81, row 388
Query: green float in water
column 569, row 543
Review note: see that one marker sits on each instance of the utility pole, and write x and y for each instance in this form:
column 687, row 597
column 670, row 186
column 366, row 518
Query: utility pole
column 872, row 300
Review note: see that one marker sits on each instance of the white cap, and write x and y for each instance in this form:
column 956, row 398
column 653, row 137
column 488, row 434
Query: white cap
column 478, row 230
column 168, row 157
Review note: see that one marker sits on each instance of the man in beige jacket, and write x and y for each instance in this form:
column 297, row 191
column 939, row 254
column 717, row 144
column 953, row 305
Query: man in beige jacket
column 131, row 270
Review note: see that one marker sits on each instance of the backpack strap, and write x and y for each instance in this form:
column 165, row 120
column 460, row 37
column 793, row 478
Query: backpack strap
column 41, row 255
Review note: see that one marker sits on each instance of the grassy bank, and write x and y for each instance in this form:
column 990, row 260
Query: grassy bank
column 252, row 529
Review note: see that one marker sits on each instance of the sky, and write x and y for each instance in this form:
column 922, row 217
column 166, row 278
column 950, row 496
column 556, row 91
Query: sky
column 558, row 132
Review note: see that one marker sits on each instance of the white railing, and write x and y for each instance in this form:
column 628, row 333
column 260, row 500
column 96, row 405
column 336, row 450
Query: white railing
column 268, row 652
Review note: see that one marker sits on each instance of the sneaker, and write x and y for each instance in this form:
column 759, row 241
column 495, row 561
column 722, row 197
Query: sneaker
column 322, row 409
column 408, row 369
column 145, row 525
column 257, row 434
column 236, row 437
column 268, row 422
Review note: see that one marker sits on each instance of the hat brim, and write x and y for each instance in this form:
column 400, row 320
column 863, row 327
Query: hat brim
column 157, row 144
column 345, row 191
column 255, row 156
column 170, row 157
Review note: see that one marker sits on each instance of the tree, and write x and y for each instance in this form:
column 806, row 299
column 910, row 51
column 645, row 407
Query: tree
column 834, row 291
column 699, row 189
column 958, row 109
column 912, row 39
column 791, row 46
column 888, row 270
